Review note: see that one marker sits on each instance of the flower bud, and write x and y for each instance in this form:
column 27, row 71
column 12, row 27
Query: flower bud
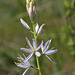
column 27, row 1
column 31, row 10
column 37, row 27
column 33, row 1
column 41, row 29
column 25, row 24
column 35, row 13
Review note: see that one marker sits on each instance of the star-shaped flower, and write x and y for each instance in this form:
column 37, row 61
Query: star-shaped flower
column 45, row 50
column 23, row 64
column 32, row 49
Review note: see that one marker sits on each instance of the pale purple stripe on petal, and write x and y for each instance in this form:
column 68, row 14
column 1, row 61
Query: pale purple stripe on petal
column 50, row 59
column 40, row 46
column 26, row 50
column 20, row 65
column 29, row 43
column 25, row 71
column 20, row 58
column 28, row 57
column 47, row 46
column 26, row 61
column 49, row 52
column 34, row 44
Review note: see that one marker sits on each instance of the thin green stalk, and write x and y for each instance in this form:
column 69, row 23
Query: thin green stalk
column 35, row 37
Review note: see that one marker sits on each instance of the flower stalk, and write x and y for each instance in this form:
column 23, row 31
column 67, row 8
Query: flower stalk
column 35, row 37
column 33, row 48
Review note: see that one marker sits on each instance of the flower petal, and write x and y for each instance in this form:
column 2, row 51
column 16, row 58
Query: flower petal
column 27, row 62
column 20, row 58
column 50, row 59
column 29, row 43
column 37, row 27
column 26, row 50
column 34, row 44
column 22, row 65
column 37, row 54
column 40, row 46
column 28, row 57
column 24, row 56
column 47, row 46
column 49, row 52
column 24, row 24
column 25, row 71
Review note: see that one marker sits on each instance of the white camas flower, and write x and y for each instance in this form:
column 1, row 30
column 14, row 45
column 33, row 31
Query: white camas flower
column 45, row 50
column 23, row 64
column 39, row 30
column 25, row 24
column 32, row 49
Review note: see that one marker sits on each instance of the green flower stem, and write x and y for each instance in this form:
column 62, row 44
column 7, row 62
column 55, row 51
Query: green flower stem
column 35, row 37
column 34, row 67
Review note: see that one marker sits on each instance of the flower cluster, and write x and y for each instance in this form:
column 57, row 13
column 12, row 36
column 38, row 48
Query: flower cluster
column 33, row 49
column 42, row 49
column 23, row 64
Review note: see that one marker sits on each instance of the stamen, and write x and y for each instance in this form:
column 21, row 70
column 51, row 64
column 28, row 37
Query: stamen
column 26, row 46
column 19, row 60
column 33, row 50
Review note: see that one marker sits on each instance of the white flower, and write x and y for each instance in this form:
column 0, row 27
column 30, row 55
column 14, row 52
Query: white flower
column 24, row 24
column 45, row 50
column 32, row 49
column 39, row 30
column 23, row 64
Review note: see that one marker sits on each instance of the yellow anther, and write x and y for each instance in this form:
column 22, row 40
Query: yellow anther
column 33, row 50
column 19, row 60
column 53, row 47
column 26, row 46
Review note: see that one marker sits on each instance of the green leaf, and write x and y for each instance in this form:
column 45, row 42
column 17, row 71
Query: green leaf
column 68, row 12
column 70, row 42
column 66, row 3
column 73, row 72
column 73, row 4
column 71, row 29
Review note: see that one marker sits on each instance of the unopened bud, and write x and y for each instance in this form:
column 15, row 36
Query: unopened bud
column 35, row 13
column 31, row 10
column 27, row 1
column 37, row 28
column 25, row 24
column 41, row 28
column 32, row 1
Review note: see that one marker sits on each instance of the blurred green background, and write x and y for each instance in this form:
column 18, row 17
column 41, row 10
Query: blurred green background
column 12, row 37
